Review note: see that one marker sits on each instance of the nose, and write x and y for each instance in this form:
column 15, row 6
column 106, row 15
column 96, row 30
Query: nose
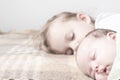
column 74, row 45
column 98, row 68
column 101, row 69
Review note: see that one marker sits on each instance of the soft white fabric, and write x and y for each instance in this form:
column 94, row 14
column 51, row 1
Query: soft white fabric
column 108, row 21
column 111, row 21
column 115, row 72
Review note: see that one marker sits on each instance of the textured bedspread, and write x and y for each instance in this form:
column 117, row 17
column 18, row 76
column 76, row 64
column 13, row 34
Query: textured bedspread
column 27, row 66
column 20, row 61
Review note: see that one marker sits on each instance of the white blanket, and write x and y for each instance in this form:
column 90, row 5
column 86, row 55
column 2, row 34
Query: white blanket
column 115, row 72
column 111, row 21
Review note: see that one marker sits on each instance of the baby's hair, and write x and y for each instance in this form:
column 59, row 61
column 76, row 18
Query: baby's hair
column 98, row 33
column 40, row 38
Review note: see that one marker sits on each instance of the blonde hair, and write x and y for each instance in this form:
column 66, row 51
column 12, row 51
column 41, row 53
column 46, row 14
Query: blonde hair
column 40, row 38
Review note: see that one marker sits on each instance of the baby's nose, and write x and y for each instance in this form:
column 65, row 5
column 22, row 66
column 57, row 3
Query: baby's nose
column 101, row 69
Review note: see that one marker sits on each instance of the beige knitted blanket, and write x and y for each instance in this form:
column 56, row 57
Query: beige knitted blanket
column 20, row 61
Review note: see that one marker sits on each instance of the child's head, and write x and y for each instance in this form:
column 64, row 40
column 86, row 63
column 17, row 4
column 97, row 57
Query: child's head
column 63, row 32
column 96, row 53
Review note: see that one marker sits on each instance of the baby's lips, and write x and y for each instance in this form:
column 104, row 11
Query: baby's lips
column 102, row 76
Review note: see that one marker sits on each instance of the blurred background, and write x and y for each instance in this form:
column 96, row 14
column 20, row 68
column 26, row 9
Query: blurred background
column 32, row 14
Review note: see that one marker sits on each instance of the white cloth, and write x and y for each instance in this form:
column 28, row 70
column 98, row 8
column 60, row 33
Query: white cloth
column 108, row 21
column 111, row 21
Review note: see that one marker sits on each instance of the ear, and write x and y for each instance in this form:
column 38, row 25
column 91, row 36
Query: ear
column 111, row 35
column 84, row 18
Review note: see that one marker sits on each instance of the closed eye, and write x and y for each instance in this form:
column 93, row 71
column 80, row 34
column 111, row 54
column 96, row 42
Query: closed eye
column 73, row 36
column 70, row 36
column 92, row 55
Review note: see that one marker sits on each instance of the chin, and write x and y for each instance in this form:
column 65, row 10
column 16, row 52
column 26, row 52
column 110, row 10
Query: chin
column 101, row 77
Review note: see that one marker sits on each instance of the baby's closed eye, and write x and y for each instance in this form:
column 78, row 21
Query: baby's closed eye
column 92, row 55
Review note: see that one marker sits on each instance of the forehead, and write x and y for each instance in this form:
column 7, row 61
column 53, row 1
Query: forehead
column 60, row 28
column 83, row 54
column 63, row 26
column 86, row 45
column 86, row 42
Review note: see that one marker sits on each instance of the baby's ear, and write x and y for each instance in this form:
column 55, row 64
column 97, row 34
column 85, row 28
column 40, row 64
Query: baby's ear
column 111, row 35
column 84, row 18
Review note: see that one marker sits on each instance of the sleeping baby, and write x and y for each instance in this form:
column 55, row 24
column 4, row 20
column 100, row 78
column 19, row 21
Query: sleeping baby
column 96, row 53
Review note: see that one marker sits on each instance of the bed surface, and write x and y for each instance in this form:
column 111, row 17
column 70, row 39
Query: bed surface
column 19, row 60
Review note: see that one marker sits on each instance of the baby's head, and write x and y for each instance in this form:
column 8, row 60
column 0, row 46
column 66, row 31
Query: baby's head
column 96, row 53
column 63, row 32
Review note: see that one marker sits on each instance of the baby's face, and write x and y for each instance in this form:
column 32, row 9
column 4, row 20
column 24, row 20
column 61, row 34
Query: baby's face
column 64, row 37
column 95, row 57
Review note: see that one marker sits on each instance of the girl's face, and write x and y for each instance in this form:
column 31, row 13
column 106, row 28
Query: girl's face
column 95, row 56
column 64, row 37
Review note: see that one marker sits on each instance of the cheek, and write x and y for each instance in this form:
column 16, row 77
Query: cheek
column 106, row 56
column 80, row 64
column 82, row 52
column 82, row 60
column 78, row 59
column 104, row 60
